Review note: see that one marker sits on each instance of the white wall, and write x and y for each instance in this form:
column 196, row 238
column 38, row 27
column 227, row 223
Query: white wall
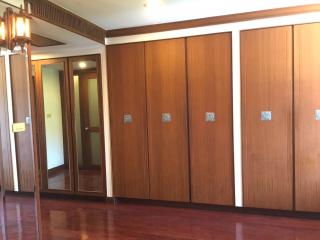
column 53, row 117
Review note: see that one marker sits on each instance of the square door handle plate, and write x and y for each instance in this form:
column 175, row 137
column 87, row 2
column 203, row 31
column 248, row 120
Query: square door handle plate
column 127, row 118
column 210, row 117
column 266, row 116
column 166, row 117
column 317, row 113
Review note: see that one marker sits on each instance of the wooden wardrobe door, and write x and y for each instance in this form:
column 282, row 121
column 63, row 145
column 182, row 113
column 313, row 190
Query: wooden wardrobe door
column 21, row 111
column 126, row 67
column 266, row 72
column 307, row 116
column 168, row 138
column 5, row 149
column 211, row 140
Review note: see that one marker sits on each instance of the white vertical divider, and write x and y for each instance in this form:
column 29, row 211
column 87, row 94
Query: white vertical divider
column 106, row 122
column 236, row 85
column 10, row 114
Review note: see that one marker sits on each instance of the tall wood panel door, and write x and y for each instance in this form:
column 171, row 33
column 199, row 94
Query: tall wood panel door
column 210, row 118
column 5, row 131
column 127, row 89
column 307, row 116
column 266, row 72
column 21, row 114
column 167, row 120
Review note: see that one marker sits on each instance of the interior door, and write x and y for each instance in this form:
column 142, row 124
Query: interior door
column 210, row 118
column 267, row 93
column 87, row 124
column 128, row 115
column 167, row 120
column 307, row 116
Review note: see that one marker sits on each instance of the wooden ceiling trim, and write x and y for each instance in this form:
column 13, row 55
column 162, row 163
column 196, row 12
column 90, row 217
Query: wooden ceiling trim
column 41, row 41
column 239, row 17
column 54, row 14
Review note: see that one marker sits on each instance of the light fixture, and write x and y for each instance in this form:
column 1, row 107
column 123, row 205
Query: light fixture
column 2, row 31
column 15, row 29
column 82, row 65
column 21, row 27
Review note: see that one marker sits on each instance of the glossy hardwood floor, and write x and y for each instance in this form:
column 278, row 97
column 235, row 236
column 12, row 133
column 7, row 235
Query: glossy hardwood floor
column 85, row 220
column 20, row 218
column 63, row 219
column 89, row 180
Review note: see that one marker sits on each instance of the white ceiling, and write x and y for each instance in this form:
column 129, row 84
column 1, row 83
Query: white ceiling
column 113, row 14
column 72, row 41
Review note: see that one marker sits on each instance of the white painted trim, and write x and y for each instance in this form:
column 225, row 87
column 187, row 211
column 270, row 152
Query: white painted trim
column 246, row 25
column 60, row 52
column 10, row 115
column 106, row 117
column 236, row 85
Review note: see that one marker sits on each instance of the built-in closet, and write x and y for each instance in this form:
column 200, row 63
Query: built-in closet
column 172, row 119
column 169, row 108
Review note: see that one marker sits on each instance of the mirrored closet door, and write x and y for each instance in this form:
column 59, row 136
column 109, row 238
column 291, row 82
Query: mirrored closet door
column 53, row 101
column 70, row 125
column 87, row 123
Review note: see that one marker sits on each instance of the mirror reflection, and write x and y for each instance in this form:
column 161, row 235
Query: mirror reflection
column 87, row 125
column 55, row 127
column 69, row 125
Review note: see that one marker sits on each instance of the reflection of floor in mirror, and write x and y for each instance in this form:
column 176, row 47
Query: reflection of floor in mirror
column 89, row 180
column 68, row 220
column 59, row 180
column 20, row 216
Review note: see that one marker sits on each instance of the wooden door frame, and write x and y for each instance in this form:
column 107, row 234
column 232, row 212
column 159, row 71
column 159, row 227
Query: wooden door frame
column 97, row 59
column 41, row 124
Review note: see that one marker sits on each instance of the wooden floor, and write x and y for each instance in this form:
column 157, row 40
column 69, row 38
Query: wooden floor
column 84, row 220
column 20, row 218
column 89, row 180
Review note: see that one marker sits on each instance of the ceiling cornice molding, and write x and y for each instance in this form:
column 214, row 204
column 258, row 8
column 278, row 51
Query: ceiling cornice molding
column 232, row 18
column 54, row 14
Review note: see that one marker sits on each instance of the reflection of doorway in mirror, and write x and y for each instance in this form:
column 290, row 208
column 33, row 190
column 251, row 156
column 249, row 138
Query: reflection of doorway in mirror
column 87, row 129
